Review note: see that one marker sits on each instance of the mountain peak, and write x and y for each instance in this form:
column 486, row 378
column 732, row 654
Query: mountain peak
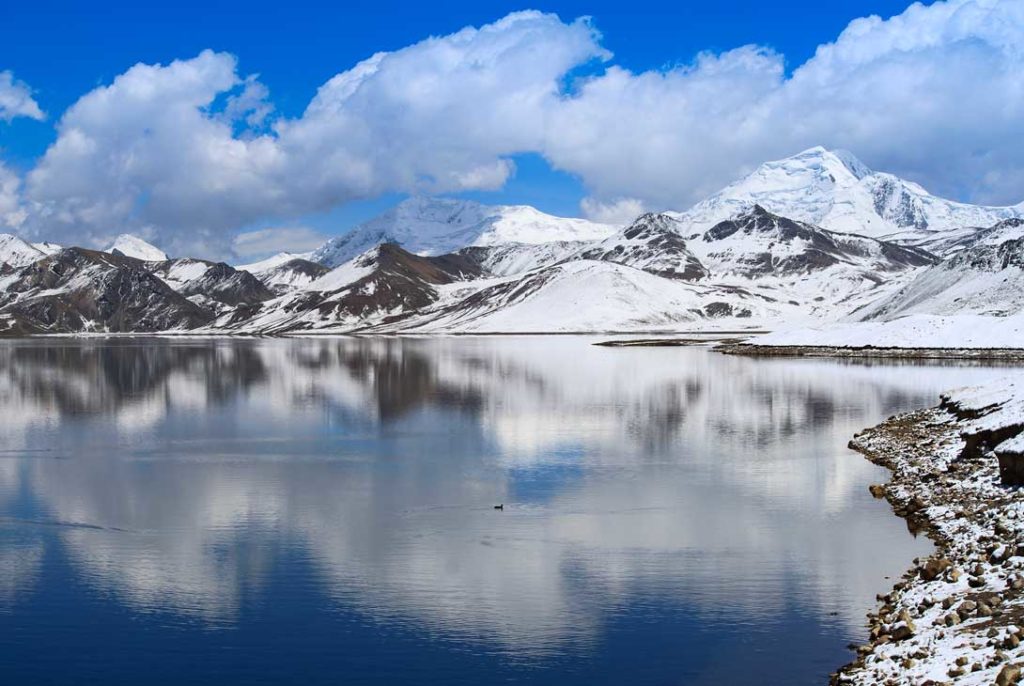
column 834, row 190
column 130, row 245
column 817, row 164
column 16, row 252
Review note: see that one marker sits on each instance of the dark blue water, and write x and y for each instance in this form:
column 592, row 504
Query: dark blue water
column 321, row 511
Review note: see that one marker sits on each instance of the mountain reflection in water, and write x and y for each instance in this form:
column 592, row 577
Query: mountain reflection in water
column 317, row 510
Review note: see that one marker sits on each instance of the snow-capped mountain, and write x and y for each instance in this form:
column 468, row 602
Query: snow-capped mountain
column 834, row 190
column 77, row 290
column 756, row 269
column 763, row 252
column 384, row 284
column 15, row 252
column 434, row 226
column 132, row 246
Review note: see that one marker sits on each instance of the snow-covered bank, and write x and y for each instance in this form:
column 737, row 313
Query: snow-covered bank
column 958, row 615
column 913, row 331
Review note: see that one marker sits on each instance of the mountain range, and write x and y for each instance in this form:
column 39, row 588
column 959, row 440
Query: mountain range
column 816, row 237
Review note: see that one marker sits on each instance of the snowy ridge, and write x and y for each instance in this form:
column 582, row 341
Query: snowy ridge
column 286, row 272
column 132, row 246
column 16, row 252
column 263, row 266
column 434, row 226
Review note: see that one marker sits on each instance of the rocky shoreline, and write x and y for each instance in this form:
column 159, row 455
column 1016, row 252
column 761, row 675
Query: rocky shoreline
column 756, row 350
column 957, row 616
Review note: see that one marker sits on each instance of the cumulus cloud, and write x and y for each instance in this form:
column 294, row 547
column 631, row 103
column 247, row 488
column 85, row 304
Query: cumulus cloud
column 12, row 212
column 616, row 212
column 266, row 242
column 16, row 99
column 194, row 148
column 439, row 116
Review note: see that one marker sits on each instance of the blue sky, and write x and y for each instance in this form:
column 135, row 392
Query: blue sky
column 64, row 50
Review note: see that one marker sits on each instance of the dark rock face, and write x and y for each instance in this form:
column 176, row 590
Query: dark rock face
column 228, row 285
column 78, row 290
column 718, row 309
column 219, row 282
column 893, row 202
column 723, row 309
column 989, row 258
column 651, row 243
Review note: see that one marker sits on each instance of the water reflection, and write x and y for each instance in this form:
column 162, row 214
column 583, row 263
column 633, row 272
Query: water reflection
column 211, row 480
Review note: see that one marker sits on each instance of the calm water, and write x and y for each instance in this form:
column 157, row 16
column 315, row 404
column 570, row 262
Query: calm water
column 321, row 511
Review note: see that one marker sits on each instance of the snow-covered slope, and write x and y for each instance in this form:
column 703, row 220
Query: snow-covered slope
column 285, row 272
column 911, row 331
column 434, row 226
column 987, row 278
column 589, row 295
column 507, row 259
column 16, row 252
column 132, row 246
column 834, row 190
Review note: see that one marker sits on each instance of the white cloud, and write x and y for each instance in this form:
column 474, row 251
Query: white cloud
column 266, row 242
column 617, row 212
column 193, row 149
column 437, row 116
column 12, row 212
column 936, row 94
column 16, row 99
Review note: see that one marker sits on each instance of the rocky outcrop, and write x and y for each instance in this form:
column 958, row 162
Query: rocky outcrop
column 653, row 244
column 760, row 243
column 392, row 284
column 78, row 290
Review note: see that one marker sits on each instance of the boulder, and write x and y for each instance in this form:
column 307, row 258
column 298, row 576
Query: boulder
column 934, row 567
column 1009, row 674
